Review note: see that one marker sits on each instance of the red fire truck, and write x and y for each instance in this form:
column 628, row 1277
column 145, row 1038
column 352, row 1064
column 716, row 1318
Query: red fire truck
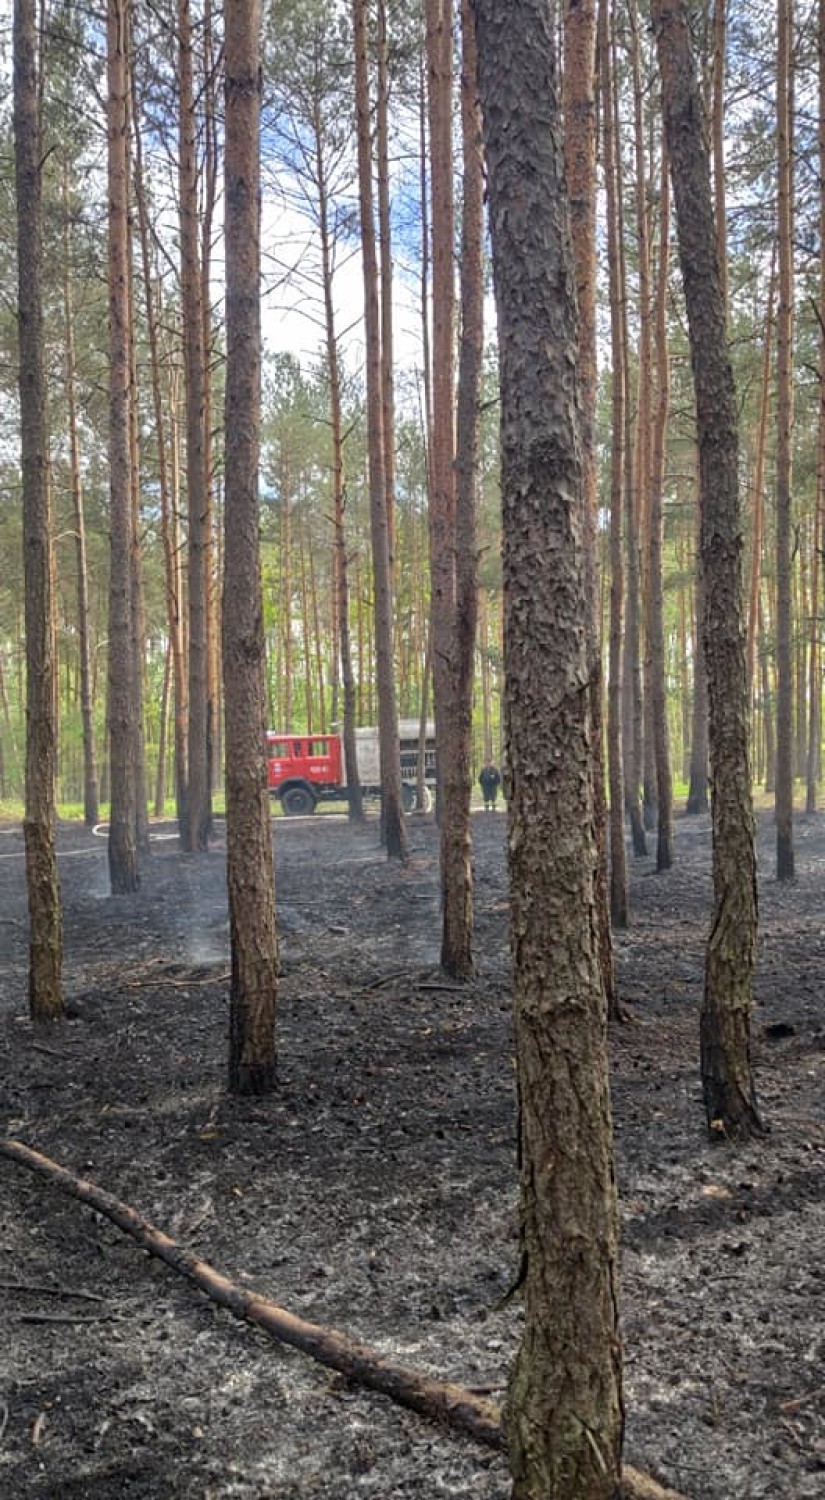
column 305, row 769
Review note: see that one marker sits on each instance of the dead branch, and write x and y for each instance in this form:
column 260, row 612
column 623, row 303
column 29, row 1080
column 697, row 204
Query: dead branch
column 439, row 1400
column 175, row 984
column 50, row 1291
column 72, row 1318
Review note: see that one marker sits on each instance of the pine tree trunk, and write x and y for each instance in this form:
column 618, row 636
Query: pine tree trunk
column 456, row 854
column 767, row 701
column 392, row 821
column 175, row 580
column 639, row 507
column 212, row 559
column 382, row 158
column 341, row 564
column 579, row 114
column 697, row 800
column 453, row 763
column 730, row 1100
column 759, row 491
column 812, row 768
column 287, row 672
column 91, row 811
column 564, row 1414
column 657, row 699
column 168, row 487
column 306, row 642
column 163, row 734
column 426, row 350
column 195, row 834
column 123, row 853
column 250, row 877
column 799, row 598
column 39, row 821
column 618, row 861
column 784, row 427
column 720, row 27
column 632, row 748
column 137, row 622
column 685, row 658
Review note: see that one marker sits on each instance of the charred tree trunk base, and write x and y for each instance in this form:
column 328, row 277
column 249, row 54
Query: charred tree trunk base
column 618, row 913
column 252, row 1082
column 124, row 873
column 697, row 801
column 394, row 838
column 638, row 837
column 730, row 1100
column 731, row 1115
column 45, row 923
column 785, row 869
column 251, row 1078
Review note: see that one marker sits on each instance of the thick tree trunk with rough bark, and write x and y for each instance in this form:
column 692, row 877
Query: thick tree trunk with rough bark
column 730, row 1100
column 564, row 1416
column 43, row 886
column 250, row 876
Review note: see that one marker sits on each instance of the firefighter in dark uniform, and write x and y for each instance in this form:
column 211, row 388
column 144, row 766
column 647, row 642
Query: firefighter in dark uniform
column 490, row 781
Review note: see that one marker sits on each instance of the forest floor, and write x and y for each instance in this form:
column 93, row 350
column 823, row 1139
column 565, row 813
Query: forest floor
column 375, row 1190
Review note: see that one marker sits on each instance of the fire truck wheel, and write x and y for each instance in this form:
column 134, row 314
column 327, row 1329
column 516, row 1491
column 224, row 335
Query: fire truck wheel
column 297, row 801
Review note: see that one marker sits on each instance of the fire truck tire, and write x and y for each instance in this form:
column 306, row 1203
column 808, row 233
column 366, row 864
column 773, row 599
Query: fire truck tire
column 297, row 801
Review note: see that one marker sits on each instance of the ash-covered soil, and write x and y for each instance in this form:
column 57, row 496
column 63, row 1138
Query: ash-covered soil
column 375, row 1190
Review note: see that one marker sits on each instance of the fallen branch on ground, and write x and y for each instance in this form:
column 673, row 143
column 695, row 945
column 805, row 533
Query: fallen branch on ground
column 50, row 1291
column 440, row 1400
column 176, row 984
column 73, row 1318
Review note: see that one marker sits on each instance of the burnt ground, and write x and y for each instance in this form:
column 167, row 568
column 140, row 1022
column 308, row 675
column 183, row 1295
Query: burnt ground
column 375, row 1191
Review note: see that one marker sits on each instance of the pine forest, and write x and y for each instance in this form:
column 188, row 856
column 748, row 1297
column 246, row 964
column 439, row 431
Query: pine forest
column 314, row 412
column 412, row 523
